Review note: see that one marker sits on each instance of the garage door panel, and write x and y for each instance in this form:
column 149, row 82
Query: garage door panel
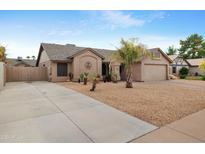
column 155, row 72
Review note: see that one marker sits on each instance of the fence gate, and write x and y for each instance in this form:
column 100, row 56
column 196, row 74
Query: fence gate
column 14, row 73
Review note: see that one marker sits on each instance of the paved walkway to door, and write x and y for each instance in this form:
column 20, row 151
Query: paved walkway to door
column 47, row 112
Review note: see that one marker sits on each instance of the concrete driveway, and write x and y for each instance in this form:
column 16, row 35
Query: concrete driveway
column 47, row 112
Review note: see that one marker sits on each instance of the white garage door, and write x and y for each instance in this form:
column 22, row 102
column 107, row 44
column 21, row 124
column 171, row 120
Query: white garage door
column 155, row 72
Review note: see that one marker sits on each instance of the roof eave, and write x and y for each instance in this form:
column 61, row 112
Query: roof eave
column 90, row 49
column 165, row 55
column 39, row 54
column 62, row 61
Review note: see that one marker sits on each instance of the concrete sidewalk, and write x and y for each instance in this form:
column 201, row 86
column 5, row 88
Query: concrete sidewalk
column 47, row 112
column 189, row 129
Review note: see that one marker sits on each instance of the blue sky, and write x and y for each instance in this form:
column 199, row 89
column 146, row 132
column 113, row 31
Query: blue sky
column 23, row 31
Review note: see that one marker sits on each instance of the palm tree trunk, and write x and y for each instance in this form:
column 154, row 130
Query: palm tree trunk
column 129, row 79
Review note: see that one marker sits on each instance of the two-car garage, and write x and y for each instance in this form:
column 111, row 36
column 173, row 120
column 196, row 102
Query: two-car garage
column 154, row 68
column 155, row 72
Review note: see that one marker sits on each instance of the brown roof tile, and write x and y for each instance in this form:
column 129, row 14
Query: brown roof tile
column 59, row 52
column 195, row 62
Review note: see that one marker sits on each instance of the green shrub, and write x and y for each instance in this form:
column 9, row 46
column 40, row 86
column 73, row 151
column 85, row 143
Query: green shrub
column 182, row 76
column 203, row 78
column 183, row 72
column 85, row 75
column 81, row 77
column 93, row 76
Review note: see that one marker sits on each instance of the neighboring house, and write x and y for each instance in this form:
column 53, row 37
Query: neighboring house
column 177, row 63
column 194, row 66
column 19, row 62
column 64, row 59
column 191, row 64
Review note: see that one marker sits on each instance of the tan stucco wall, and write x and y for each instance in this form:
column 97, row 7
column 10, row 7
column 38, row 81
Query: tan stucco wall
column 79, row 61
column 44, row 61
column 150, row 60
column 44, row 57
column 116, row 69
column 76, row 67
column 47, row 64
column 193, row 70
column 137, row 72
column 1, row 75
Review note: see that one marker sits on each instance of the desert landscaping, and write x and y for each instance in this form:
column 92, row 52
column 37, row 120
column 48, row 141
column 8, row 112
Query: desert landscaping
column 159, row 103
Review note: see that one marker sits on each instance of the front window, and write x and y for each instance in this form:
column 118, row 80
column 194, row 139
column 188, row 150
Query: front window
column 62, row 69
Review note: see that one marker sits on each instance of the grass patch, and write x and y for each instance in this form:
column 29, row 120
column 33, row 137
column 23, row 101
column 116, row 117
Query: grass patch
column 194, row 78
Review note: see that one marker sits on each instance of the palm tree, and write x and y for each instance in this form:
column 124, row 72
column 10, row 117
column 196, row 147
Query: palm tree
column 129, row 53
column 171, row 50
column 2, row 53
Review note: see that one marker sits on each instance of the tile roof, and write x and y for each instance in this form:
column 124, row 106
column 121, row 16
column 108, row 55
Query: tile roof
column 172, row 57
column 195, row 62
column 63, row 52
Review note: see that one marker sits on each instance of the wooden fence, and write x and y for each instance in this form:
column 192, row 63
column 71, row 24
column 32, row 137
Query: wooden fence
column 1, row 75
column 14, row 73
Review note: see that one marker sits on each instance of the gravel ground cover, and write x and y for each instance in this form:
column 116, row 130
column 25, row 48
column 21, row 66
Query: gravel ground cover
column 159, row 103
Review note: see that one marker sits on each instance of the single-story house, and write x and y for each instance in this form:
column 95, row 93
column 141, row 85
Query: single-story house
column 64, row 59
column 194, row 66
column 177, row 63
column 20, row 62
